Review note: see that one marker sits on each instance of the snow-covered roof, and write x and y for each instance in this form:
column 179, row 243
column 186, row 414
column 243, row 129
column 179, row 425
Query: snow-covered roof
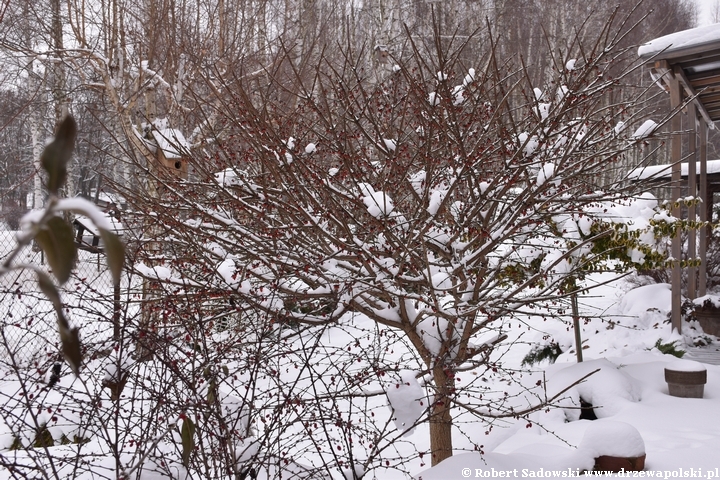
column 659, row 172
column 690, row 58
column 680, row 42
column 107, row 197
column 90, row 226
column 172, row 142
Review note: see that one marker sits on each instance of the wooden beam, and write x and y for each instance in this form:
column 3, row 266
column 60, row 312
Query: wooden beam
column 704, row 210
column 692, row 191
column 690, row 92
column 676, row 153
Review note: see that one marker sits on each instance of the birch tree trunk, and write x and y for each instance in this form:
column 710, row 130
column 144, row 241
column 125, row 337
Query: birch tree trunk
column 37, row 138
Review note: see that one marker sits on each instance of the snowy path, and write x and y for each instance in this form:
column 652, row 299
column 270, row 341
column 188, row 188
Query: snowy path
column 710, row 355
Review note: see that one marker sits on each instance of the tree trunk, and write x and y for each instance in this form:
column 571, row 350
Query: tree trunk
column 36, row 135
column 440, row 418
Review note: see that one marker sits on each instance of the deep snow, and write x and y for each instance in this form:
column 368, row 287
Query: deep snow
column 680, row 436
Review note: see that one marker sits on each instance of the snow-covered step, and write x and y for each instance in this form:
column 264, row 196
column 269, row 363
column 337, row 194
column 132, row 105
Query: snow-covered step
column 710, row 355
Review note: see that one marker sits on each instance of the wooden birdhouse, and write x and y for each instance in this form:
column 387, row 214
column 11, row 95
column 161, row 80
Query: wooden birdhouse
column 172, row 152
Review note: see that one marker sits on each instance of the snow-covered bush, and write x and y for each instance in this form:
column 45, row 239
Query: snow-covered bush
column 334, row 275
column 427, row 207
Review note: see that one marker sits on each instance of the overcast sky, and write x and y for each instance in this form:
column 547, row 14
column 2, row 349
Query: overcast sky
column 704, row 15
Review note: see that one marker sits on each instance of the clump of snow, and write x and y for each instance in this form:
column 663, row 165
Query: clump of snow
column 645, row 130
column 708, row 300
column 540, row 461
column 433, row 330
column 227, row 271
column 111, row 368
column 458, row 95
column 417, row 180
column 469, row 78
column 390, row 144
column 379, row 204
column 546, row 173
column 530, row 143
column 159, row 272
column 436, row 199
column 441, row 76
column 310, row 148
column 407, row 400
column 543, row 110
column 228, row 178
column 359, row 471
column 570, row 65
column 619, row 127
column 686, row 366
column 613, row 438
column 562, row 91
column 433, row 99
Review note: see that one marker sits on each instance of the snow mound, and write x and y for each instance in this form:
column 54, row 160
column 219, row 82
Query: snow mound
column 686, row 366
column 609, row 390
column 638, row 301
column 610, row 437
column 561, row 462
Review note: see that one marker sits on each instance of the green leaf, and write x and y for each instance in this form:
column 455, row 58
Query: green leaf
column 55, row 157
column 188, row 441
column 56, row 239
column 115, row 252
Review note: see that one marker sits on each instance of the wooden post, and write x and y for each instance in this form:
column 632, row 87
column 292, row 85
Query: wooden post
column 703, row 232
column 676, row 153
column 576, row 326
column 692, row 191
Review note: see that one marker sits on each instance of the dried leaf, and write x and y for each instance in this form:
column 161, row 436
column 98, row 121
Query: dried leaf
column 55, row 156
column 211, row 392
column 56, row 239
column 115, row 252
column 48, row 288
column 70, row 339
column 188, row 441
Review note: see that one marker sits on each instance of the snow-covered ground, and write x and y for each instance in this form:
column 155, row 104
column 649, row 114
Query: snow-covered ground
column 680, row 436
column 622, row 325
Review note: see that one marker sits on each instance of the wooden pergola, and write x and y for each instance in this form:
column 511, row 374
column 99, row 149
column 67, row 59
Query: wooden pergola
column 687, row 65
